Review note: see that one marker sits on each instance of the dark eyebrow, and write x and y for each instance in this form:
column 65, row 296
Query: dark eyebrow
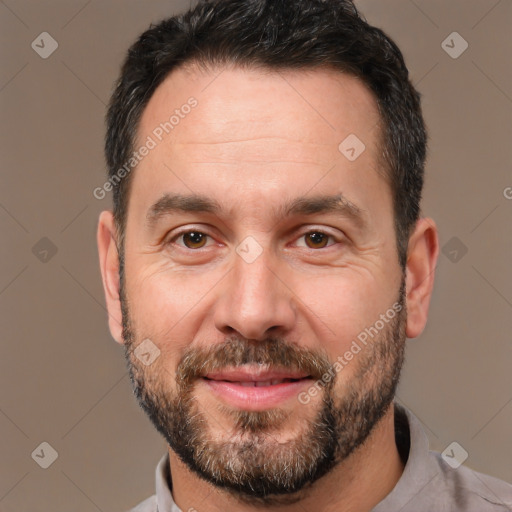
column 305, row 205
column 172, row 203
column 339, row 204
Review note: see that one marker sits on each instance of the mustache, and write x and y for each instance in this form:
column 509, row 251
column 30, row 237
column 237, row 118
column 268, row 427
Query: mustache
column 235, row 351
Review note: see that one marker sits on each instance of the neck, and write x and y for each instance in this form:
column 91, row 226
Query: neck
column 358, row 483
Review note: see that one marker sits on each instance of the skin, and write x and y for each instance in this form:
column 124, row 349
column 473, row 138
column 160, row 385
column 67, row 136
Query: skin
column 198, row 297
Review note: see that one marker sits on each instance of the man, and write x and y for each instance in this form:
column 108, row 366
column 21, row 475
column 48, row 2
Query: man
column 265, row 261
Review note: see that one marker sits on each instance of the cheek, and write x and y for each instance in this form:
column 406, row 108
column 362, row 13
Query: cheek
column 167, row 306
column 340, row 307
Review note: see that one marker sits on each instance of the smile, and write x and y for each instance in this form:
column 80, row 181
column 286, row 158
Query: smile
column 254, row 391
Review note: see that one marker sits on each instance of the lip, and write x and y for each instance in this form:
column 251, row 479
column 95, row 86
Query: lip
column 250, row 374
column 228, row 385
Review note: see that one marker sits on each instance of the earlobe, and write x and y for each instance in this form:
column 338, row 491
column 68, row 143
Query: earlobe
column 109, row 266
column 422, row 253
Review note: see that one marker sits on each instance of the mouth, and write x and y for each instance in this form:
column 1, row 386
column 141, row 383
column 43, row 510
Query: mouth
column 256, row 377
column 251, row 389
column 256, row 383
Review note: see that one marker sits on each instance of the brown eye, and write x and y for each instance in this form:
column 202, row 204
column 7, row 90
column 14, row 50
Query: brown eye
column 194, row 239
column 316, row 240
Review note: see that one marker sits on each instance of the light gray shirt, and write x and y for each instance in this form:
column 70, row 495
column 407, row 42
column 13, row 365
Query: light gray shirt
column 428, row 484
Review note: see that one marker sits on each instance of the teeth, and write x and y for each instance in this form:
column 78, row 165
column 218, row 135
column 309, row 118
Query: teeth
column 247, row 384
column 263, row 383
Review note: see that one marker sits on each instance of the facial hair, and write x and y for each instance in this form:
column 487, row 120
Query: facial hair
column 252, row 465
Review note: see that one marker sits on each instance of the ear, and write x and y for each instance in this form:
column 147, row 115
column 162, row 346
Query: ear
column 109, row 265
column 422, row 253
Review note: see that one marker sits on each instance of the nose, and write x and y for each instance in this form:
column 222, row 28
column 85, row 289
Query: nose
column 256, row 301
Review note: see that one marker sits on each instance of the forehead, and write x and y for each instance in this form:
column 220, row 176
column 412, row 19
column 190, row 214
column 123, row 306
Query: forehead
column 257, row 128
column 327, row 103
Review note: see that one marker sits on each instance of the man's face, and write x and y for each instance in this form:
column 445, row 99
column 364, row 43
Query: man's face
column 269, row 281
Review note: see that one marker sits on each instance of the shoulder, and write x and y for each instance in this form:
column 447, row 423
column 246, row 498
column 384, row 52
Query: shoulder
column 429, row 483
column 148, row 505
column 470, row 490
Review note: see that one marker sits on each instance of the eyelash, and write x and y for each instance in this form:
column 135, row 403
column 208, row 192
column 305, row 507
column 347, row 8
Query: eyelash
column 182, row 233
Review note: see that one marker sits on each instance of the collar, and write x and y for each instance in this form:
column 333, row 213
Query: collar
column 164, row 499
column 419, row 468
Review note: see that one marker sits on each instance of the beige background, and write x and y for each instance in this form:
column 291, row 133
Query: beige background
column 62, row 377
